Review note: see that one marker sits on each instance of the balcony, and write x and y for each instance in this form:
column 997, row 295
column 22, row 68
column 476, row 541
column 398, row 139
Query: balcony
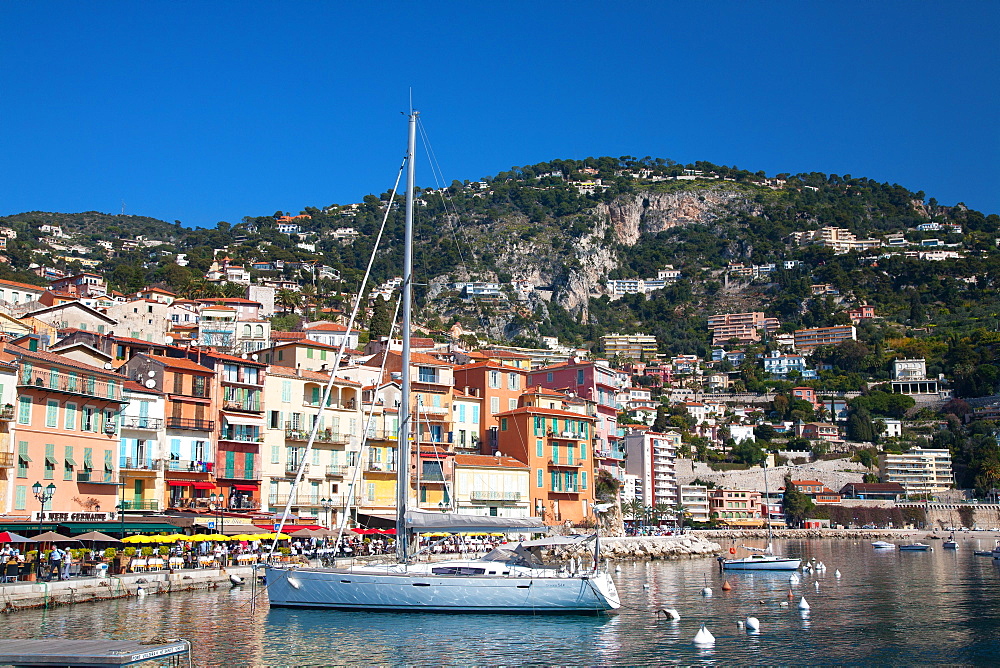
column 152, row 424
column 495, row 496
column 6, row 413
column 381, row 435
column 137, row 464
column 6, row 460
column 240, row 438
column 192, row 424
column 569, row 465
column 322, row 436
column 96, row 477
column 81, row 386
column 140, row 505
column 189, row 465
column 243, row 407
column 380, row 467
column 238, row 474
column 337, row 471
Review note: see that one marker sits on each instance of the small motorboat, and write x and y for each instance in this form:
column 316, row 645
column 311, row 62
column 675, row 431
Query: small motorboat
column 951, row 543
column 914, row 547
column 882, row 545
column 983, row 553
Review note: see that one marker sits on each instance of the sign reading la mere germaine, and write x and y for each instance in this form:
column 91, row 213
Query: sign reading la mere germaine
column 38, row 516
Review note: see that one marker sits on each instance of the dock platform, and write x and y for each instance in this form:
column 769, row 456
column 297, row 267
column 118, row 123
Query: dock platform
column 89, row 653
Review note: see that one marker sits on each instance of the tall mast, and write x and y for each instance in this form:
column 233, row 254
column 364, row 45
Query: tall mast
column 403, row 437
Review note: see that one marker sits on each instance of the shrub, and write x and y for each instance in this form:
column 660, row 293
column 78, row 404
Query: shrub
column 147, row 552
column 129, row 551
column 110, row 553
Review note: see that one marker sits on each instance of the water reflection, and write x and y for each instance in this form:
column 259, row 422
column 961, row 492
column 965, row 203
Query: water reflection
column 934, row 607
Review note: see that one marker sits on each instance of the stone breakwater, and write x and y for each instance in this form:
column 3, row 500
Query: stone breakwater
column 726, row 535
column 636, row 548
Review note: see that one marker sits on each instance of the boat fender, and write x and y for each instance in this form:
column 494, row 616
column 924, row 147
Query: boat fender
column 732, row 550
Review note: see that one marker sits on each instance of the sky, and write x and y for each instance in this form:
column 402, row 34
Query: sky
column 211, row 111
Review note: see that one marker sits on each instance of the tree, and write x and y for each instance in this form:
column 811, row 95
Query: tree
column 381, row 320
column 764, row 432
column 796, row 505
column 287, row 299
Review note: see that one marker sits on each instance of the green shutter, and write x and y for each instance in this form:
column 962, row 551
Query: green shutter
column 21, row 497
column 24, row 410
column 540, row 478
column 52, row 413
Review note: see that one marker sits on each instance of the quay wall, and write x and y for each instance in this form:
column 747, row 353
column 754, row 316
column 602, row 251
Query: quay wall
column 17, row 596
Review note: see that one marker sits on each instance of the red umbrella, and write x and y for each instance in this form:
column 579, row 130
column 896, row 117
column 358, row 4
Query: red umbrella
column 11, row 537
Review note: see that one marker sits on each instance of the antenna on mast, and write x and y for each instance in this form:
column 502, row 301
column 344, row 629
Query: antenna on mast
column 123, row 207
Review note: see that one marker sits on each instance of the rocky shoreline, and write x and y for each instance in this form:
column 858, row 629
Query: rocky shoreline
column 636, row 548
column 803, row 534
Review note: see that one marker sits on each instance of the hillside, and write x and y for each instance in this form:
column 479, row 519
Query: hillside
column 549, row 238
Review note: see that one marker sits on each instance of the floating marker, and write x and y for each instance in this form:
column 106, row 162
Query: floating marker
column 618, row 569
column 783, row 604
column 817, row 585
column 793, row 579
column 140, row 592
column 704, row 637
column 726, row 586
column 707, row 591
column 803, row 604
column 753, row 624
column 836, row 573
column 645, row 586
column 739, row 624
column 790, row 595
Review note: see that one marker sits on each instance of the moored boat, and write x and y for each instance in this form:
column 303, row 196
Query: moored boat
column 883, row 545
column 914, row 547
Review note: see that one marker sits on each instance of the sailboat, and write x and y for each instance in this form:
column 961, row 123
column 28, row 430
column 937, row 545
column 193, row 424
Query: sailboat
column 763, row 559
column 503, row 581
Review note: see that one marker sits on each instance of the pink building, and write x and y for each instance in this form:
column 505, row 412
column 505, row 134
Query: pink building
column 588, row 380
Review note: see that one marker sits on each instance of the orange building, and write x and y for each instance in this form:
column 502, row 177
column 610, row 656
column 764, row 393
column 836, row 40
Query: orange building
column 191, row 409
column 556, row 446
column 499, row 386
column 66, row 434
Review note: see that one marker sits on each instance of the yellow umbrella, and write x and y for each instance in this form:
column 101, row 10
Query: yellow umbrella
column 216, row 537
column 174, row 537
column 197, row 538
column 138, row 539
column 275, row 536
column 246, row 536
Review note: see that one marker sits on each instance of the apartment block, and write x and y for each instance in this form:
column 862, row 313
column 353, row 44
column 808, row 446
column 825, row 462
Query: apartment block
column 919, row 471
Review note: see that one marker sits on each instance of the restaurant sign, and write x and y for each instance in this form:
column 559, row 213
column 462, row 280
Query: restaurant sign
column 55, row 516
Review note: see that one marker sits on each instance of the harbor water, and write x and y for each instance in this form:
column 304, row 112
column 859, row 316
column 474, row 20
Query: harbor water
column 888, row 607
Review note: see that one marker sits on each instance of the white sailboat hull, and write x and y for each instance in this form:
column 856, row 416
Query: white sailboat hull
column 761, row 563
column 394, row 589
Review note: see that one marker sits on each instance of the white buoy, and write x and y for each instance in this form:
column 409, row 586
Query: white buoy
column 140, row 592
column 669, row 613
column 836, row 573
column 821, row 566
column 817, row 585
column 618, row 569
column 236, row 580
column 739, row 623
column 783, row 604
column 803, row 603
column 793, row 579
column 707, row 591
column 704, row 637
column 645, row 586
column 753, row 624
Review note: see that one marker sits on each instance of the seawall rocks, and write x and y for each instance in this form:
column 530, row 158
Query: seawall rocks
column 635, row 548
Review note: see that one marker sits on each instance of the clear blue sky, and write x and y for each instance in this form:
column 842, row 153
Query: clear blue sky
column 202, row 112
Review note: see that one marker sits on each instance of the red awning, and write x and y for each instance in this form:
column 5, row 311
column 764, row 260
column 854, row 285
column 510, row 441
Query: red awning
column 204, row 485
column 179, row 483
column 246, row 488
column 289, row 528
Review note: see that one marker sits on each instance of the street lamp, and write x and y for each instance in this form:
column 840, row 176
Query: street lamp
column 327, row 507
column 43, row 495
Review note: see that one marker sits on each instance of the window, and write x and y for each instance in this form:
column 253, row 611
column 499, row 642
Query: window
column 503, row 424
column 461, row 413
column 24, row 410
column 199, row 386
column 199, row 450
column 539, row 448
column 309, row 353
column 583, row 480
column 475, row 415
column 54, row 378
column 512, row 382
column 555, row 453
column 583, row 451
column 22, row 459
column 178, row 383
column 511, row 404
column 21, row 497
column 579, row 376
column 495, row 379
column 494, row 405
column 68, row 462
column 52, row 413
column 286, row 391
column 247, row 331
column 275, row 454
column 87, row 421
column 539, row 478
column 258, row 332
column 370, row 491
column 548, row 377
